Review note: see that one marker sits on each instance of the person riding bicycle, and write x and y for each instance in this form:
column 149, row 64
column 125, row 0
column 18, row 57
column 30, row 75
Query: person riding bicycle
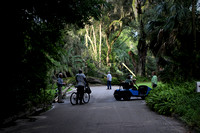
column 81, row 83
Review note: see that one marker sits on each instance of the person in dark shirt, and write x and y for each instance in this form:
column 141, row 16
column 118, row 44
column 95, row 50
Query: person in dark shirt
column 129, row 82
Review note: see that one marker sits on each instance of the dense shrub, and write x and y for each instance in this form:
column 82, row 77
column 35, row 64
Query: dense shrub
column 176, row 98
column 115, row 81
column 142, row 79
column 188, row 108
column 70, row 80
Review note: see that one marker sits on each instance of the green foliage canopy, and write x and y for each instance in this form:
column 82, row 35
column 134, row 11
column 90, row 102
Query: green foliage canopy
column 170, row 30
column 37, row 46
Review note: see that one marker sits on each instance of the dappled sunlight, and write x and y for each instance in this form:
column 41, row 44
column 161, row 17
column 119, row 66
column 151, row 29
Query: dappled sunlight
column 155, row 43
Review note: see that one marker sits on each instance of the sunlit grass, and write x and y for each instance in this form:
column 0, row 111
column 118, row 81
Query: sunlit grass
column 148, row 84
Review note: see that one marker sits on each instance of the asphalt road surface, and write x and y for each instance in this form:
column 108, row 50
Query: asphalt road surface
column 103, row 114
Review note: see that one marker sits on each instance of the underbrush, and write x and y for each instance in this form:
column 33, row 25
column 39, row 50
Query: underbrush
column 142, row 79
column 177, row 98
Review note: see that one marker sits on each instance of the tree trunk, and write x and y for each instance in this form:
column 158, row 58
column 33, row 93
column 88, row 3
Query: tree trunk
column 100, row 45
column 194, row 2
column 142, row 53
column 131, row 54
column 108, row 52
column 92, row 42
column 142, row 47
column 110, row 43
column 194, row 64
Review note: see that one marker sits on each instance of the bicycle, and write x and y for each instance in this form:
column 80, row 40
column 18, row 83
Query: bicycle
column 86, row 97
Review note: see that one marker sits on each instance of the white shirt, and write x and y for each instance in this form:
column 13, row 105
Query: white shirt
column 109, row 77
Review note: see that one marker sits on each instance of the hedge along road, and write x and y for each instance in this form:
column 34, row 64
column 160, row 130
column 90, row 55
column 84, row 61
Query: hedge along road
column 103, row 114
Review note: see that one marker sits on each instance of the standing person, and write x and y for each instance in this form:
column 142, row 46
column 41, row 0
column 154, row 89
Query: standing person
column 60, row 84
column 109, row 79
column 81, row 83
column 154, row 80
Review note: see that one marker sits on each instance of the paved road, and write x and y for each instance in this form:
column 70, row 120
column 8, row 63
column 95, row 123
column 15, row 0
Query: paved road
column 103, row 114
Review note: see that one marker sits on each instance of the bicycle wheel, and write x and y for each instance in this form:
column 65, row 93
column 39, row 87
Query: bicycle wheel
column 73, row 98
column 86, row 97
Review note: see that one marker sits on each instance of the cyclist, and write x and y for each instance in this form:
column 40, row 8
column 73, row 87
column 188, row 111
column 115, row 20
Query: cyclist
column 81, row 83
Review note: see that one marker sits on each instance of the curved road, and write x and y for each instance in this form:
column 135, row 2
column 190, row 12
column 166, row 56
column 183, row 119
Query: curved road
column 103, row 114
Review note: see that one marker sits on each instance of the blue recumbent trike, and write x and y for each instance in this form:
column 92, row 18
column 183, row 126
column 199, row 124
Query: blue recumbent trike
column 126, row 91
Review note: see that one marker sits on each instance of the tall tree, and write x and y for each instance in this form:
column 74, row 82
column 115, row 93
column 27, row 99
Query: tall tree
column 171, row 33
column 110, row 42
column 139, row 7
column 116, row 20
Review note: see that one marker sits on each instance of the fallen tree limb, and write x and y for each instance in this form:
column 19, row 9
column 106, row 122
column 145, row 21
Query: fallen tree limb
column 63, row 92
